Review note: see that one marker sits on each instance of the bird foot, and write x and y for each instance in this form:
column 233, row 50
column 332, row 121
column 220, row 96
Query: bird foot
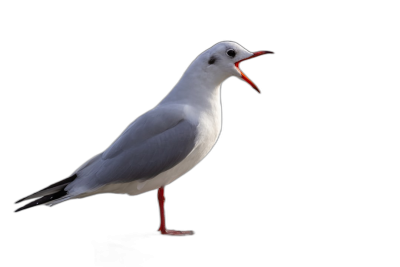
column 175, row 232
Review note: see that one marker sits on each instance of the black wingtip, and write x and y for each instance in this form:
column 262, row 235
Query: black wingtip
column 43, row 200
column 22, row 199
column 62, row 182
column 18, row 210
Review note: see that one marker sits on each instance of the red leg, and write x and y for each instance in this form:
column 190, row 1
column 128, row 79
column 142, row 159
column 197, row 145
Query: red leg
column 162, row 228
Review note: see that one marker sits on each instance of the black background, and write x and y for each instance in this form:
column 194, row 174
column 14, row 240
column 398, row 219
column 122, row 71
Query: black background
column 267, row 191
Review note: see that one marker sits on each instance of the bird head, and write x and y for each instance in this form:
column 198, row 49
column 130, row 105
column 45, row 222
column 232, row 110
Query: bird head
column 223, row 60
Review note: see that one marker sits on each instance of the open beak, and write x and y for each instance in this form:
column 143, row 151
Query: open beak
column 255, row 54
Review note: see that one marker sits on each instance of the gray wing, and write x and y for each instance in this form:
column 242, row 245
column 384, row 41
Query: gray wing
column 152, row 144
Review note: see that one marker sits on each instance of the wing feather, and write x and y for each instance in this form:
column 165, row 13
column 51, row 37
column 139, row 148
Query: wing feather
column 152, row 144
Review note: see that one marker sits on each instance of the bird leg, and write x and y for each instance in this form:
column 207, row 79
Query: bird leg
column 164, row 231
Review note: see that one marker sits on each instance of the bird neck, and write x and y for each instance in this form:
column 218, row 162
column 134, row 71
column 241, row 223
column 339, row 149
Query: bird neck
column 197, row 87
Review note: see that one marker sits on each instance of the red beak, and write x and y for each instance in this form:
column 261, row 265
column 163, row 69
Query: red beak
column 255, row 54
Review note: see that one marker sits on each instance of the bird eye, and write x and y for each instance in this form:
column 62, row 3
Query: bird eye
column 231, row 53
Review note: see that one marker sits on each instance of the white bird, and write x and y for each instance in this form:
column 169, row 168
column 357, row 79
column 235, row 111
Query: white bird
column 162, row 144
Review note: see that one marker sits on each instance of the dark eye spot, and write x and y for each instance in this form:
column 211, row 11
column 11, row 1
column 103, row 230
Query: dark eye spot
column 212, row 60
column 231, row 53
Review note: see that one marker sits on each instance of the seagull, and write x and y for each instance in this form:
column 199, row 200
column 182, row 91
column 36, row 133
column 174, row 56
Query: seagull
column 162, row 144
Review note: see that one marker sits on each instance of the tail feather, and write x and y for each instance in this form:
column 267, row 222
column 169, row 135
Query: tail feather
column 54, row 188
column 44, row 200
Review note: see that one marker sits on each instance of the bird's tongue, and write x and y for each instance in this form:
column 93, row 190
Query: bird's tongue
column 244, row 77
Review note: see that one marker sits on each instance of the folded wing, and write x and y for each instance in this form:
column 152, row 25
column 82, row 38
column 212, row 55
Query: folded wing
column 154, row 143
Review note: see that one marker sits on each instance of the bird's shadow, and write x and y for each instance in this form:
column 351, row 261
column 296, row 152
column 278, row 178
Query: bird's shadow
column 111, row 248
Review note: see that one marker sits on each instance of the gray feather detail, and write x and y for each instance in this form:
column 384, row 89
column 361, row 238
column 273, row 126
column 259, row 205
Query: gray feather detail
column 150, row 124
column 154, row 143
column 155, row 155
column 88, row 163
